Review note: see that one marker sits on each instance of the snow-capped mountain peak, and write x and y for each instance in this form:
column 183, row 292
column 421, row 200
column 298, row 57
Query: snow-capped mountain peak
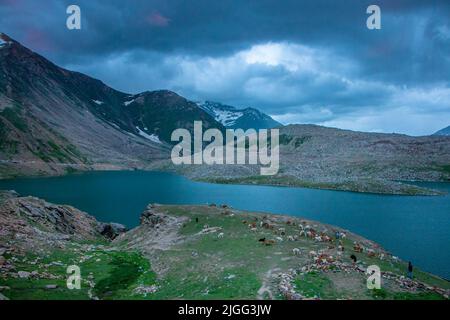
column 226, row 115
column 231, row 117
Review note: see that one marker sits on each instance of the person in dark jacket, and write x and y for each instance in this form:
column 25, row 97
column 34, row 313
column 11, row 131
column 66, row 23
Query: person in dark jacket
column 410, row 270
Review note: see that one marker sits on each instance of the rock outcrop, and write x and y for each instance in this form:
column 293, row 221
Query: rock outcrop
column 111, row 230
column 29, row 223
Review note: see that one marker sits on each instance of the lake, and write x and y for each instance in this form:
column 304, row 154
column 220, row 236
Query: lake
column 415, row 228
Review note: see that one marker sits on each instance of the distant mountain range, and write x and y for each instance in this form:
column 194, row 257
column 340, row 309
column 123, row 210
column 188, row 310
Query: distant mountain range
column 443, row 132
column 53, row 121
column 231, row 117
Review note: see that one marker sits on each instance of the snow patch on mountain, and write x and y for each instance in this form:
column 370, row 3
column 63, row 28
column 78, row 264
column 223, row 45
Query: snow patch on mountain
column 127, row 103
column 98, row 102
column 152, row 137
column 232, row 117
column 226, row 115
column 3, row 43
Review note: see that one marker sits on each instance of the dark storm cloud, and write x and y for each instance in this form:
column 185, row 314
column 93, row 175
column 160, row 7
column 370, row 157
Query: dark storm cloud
column 300, row 60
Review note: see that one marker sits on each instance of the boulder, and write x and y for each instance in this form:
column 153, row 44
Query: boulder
column 23, row 274
column 51, row 286
column 151, row 218
column 111, row 230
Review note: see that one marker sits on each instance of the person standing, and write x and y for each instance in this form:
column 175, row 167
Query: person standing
column 410, row 270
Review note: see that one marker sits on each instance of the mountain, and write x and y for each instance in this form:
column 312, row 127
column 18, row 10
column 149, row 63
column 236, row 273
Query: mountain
column 443, row 132
column 330, row 158
column 234, row 118
column 53, row 119
column 159, row 113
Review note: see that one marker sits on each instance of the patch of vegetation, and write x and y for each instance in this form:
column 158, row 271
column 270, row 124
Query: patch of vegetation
column 57, row 152
column 9, row 172
column 70, row 148
column 285, row 139
column 115, row 273
column 363, row 185
column 315, row 284
column 125, row 270
column 300, row 141
column 383, row 294
column 9, row 146
column 71, row 170
column 204, row 265
column 417, row 296
column 277, row 180
column 13, row 116
column 50, row 150
column 379, row 294
column 40, row 154
column 232, row 283
column 446, row 168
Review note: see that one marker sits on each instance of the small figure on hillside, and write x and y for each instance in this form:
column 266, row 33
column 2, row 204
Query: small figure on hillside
column 353, row 257
column 337, row 235
column 410, row 270
column 196, row 220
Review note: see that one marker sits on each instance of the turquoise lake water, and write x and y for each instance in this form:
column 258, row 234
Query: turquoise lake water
column 413, row 228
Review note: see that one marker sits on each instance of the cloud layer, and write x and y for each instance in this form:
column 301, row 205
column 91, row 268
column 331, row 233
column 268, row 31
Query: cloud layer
column 300, row 61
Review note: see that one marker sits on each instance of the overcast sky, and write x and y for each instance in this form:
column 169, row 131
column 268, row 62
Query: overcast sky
column 299, row 61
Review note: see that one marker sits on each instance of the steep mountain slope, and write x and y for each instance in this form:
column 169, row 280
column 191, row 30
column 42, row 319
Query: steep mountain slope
column 234, row 118
column 52, row 119
column 159, row 113
column 49, row 116
column 443, row 132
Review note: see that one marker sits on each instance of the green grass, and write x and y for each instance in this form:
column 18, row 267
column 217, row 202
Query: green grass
column 125, row 269
column 285, row 139
column 383, row 294
column 8, row 146
column 115, row 273
column 204, row 266
column 13, row 115
column 232, row 283
column 299, row 141
column 446, row 169
column 228, row 268
column 315, row 284
column 57, row 152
